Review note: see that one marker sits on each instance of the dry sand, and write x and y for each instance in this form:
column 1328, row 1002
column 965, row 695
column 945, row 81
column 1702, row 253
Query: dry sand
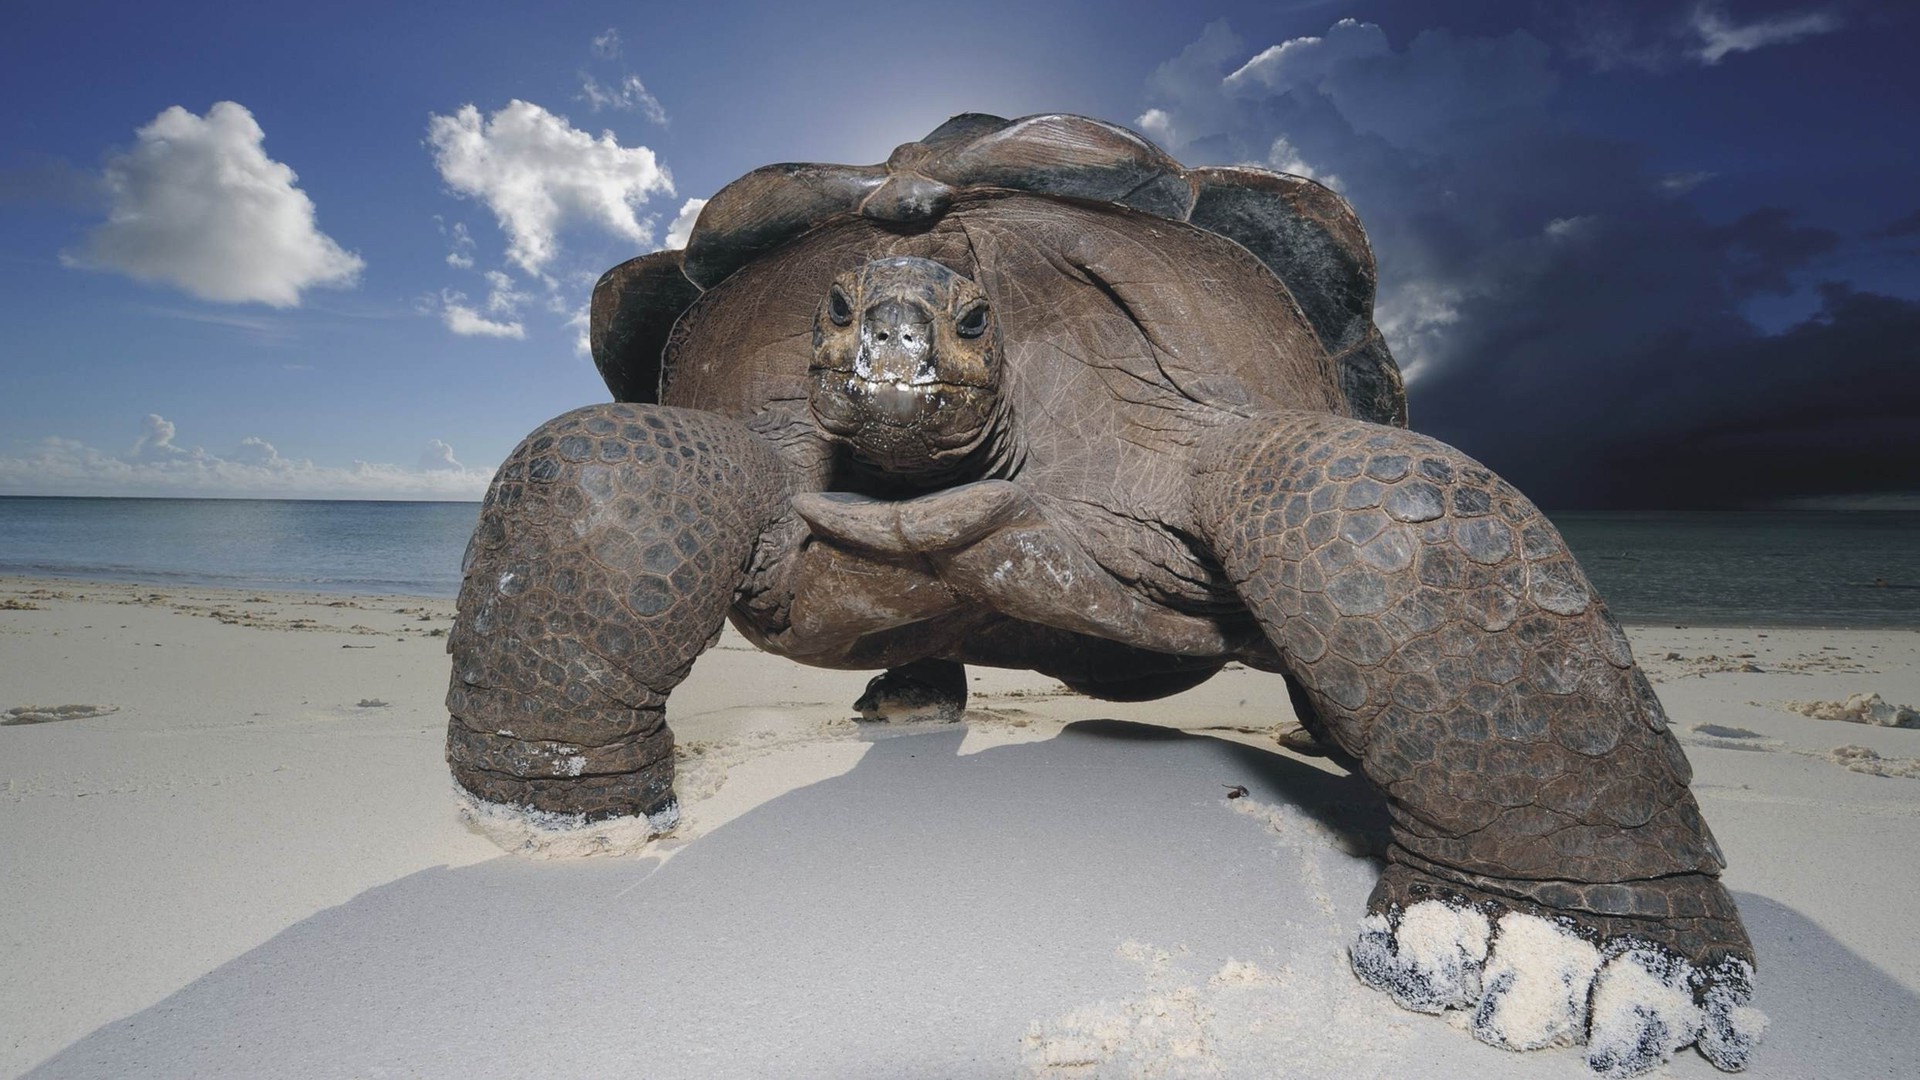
column 231, row 849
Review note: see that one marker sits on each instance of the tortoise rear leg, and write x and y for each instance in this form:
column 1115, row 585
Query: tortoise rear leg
column 1550, row 870
column 608, row 551
column 931, row 689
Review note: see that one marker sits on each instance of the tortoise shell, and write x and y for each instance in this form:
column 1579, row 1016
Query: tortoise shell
column 1304, row 233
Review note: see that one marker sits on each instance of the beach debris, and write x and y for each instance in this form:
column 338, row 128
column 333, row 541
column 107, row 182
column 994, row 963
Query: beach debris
column 1861, row 759
column 14, row 603
column 1713, row 664
column 46, row 714
column 1823, row 662
column 1862, row 708
column 371, row 703
column 1235, row 791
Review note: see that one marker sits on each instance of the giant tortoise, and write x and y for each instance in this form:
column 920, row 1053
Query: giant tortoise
column 1033, row 395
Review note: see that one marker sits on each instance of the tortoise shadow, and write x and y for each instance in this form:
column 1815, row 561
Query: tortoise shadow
column 919, row 915
column 1343, row 802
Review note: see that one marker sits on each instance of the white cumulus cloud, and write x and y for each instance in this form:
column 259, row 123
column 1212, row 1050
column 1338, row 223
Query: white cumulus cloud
column 156, row 438
column 627, row 95
column 466, row 320
column 1304, row 61
column 1156, row 125
column 1283, row 157
column 1720, row 35
column 682, row 226
column 503, row 298
column 460, row 245
column 499, row 318
column 538, row 173
column 198, row 204
column 255, row 469
column 580, row 323
column 438, row 457
column 1415, row 318
column 254, row 450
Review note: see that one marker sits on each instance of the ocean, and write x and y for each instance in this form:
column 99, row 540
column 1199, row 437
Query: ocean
column 1788, row 568
column 404, row 548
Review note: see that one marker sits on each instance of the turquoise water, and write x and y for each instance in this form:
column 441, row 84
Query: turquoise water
column 1809, row 568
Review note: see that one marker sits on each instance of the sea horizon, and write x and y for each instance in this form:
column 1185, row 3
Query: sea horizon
column 1800, row 567
column 1866, row 504
column 234, row 498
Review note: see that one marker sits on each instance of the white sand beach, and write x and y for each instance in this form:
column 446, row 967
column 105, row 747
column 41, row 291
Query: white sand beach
column 231, row 849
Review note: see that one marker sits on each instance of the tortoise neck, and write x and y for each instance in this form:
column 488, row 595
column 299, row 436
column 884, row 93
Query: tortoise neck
column 997, row 453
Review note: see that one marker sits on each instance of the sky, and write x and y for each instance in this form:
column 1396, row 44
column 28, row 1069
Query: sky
column 1630, row 255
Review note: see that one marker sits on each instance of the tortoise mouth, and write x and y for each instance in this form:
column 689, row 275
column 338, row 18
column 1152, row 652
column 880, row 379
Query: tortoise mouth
column 900, row 425
column 897, row 401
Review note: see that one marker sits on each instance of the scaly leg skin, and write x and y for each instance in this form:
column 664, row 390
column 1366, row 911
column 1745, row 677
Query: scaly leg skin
column 607, row 554
column 1549, row 871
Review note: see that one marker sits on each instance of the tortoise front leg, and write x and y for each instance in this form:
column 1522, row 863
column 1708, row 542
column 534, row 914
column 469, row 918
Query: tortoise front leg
column 1545, row 842
column 608, row 551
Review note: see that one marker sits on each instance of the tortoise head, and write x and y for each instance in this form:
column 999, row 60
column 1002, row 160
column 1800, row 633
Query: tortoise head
column 906, row 365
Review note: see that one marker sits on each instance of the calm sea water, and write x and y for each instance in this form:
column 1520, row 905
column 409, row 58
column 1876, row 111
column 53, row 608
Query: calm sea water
column 406, row 548
column 1812, row 568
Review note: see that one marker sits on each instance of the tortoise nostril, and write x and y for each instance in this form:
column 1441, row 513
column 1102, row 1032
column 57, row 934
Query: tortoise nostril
column 882, row 335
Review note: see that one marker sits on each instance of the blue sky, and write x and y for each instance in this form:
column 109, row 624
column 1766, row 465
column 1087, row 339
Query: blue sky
column 1630, row 254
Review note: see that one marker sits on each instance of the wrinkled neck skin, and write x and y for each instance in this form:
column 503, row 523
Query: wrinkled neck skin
column 993, row 454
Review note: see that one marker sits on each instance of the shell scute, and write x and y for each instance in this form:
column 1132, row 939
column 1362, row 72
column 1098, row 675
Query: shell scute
column 768, row 207
column 632, row 315
column 1069, row 156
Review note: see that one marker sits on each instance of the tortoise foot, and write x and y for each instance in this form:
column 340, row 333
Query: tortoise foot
column 545, row 834
column 1633, row 990
column 926, row 690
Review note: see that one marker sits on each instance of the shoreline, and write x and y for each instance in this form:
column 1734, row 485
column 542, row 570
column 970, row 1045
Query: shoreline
column 53, row 581
column 160, row 581
column 271, row 759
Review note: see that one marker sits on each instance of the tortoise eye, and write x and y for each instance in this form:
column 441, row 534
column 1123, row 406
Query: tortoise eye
column 973, row 322
column 839, row 308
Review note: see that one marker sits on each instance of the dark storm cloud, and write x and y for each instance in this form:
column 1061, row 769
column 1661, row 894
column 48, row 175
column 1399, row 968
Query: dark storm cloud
column 1608, row 36
column 1906, row 226
column 1561, row 312
column 1763, row 247
column 1829, row 407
